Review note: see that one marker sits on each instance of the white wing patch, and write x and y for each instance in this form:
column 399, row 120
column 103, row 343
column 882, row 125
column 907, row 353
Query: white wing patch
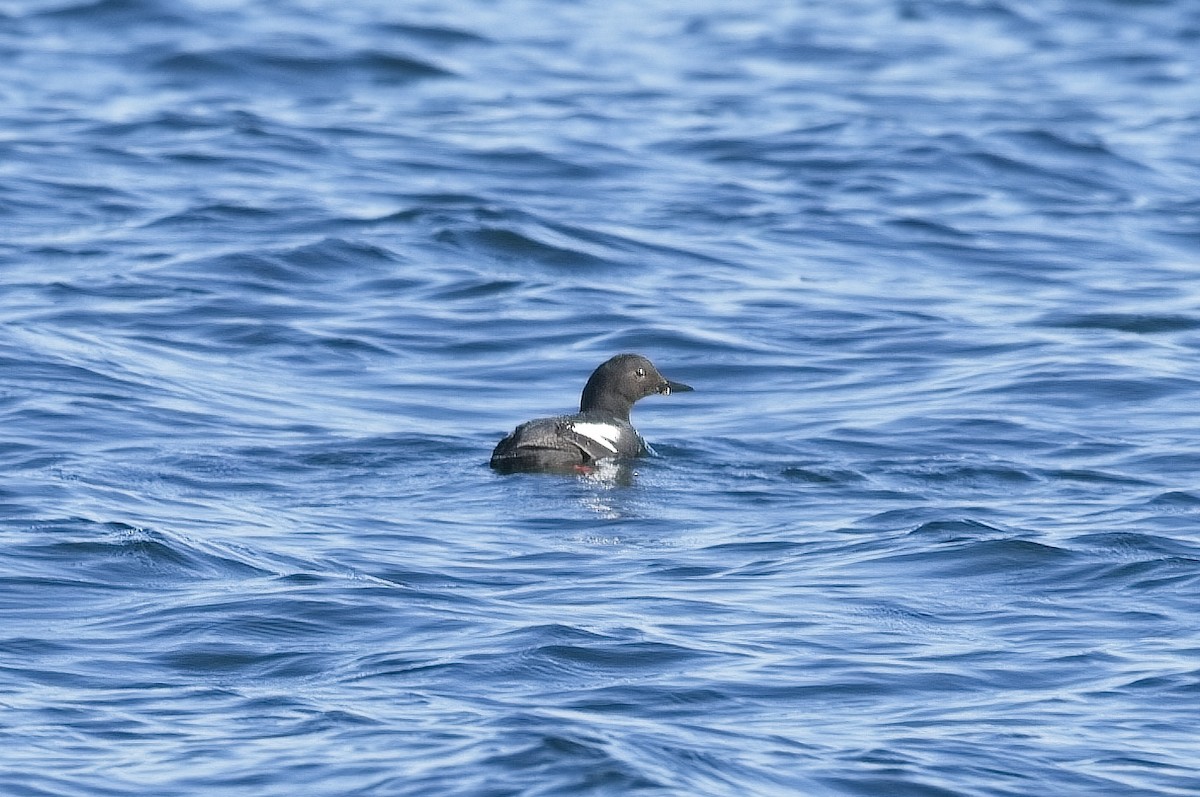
column 605, row 434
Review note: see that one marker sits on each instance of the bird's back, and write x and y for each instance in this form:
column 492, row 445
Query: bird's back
column 565, row 442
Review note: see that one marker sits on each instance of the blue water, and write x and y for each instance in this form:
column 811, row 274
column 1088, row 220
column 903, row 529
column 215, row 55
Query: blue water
column 275, row 277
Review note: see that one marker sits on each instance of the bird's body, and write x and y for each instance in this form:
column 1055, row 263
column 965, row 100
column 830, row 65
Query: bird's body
column 600, row 430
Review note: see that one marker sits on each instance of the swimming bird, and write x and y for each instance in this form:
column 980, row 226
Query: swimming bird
column 599, row 431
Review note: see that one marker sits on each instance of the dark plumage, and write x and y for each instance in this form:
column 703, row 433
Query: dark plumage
column 600, row 430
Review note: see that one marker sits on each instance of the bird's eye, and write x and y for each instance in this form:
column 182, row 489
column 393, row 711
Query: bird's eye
column 641, row 373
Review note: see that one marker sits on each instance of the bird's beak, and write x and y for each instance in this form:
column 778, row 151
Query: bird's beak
column 668, row 387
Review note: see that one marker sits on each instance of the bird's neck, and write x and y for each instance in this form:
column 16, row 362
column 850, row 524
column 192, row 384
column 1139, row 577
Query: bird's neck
column 618, row 409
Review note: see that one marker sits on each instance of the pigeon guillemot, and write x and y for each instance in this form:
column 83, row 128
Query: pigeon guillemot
column 601, row 428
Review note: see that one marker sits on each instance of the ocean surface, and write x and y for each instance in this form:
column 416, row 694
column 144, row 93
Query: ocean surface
column 276, row 276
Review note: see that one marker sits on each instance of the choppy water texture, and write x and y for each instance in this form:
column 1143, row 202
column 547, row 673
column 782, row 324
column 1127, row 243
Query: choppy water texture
column 277, row 276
